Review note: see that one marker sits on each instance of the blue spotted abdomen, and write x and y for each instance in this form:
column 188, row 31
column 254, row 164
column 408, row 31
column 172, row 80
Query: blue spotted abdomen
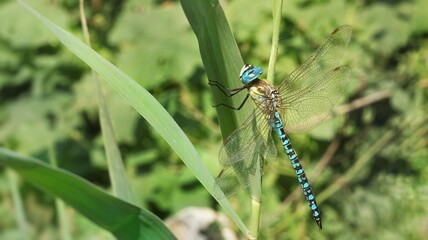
column 277, row 125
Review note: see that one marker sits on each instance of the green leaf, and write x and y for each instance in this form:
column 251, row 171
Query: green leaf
column 220, row 56
column 146, row 104
column 123, row 220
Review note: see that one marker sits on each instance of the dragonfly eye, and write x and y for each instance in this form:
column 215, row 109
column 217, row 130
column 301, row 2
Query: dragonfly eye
column 250, row 73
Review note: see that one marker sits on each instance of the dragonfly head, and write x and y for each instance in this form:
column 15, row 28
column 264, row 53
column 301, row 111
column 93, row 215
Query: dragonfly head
column 249, row 73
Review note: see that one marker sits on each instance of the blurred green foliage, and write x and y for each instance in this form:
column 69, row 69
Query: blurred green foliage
column 47, row 100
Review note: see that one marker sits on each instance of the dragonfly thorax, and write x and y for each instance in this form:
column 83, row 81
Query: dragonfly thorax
column 265, row 96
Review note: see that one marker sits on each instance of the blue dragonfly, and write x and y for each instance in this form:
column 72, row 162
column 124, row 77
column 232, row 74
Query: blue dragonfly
column 301, row 102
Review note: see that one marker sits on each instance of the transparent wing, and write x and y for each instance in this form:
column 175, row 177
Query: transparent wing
column 243, row 154
column 310, row 92
column 249, row 139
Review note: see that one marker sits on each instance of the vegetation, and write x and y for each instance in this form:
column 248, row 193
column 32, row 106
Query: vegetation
column 368, row 164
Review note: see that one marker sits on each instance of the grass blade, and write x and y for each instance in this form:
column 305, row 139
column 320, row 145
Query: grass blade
column 122, row 219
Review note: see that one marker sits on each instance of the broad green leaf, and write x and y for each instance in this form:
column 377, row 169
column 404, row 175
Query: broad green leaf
column 123, row 220
column 220, row 56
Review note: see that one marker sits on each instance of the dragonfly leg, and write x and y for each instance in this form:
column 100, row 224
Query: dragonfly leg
column 226, row 91
column 231, row 107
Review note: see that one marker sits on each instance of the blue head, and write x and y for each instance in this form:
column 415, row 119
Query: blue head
column 249, row 73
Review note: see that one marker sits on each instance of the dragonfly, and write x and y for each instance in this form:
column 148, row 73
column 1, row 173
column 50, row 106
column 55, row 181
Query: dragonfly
column 301, row 102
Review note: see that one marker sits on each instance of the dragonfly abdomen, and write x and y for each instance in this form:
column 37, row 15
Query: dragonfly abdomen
column 298, row 169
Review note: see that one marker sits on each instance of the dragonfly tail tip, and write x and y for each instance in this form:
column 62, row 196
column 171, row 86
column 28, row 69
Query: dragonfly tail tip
column 319, row 224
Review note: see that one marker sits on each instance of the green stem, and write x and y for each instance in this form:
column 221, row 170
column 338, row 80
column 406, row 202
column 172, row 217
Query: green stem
column 256, row 202
column 276, row 12
column 119, row 181
column 255, row 218
column 18, row 205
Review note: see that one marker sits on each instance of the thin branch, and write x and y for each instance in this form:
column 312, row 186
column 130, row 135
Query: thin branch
column 361, row 102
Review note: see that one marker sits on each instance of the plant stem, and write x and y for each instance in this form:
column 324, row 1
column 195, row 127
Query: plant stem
column 255, row 218
column 256, row 202
column 18, row 205
column 276, row 12
column 119, row 181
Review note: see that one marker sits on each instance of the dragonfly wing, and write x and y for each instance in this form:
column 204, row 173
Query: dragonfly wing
column 270, row 152
column 317, row 102
column 310, row 92
column 241, row 175
column 250, row 139
column 243, row 155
